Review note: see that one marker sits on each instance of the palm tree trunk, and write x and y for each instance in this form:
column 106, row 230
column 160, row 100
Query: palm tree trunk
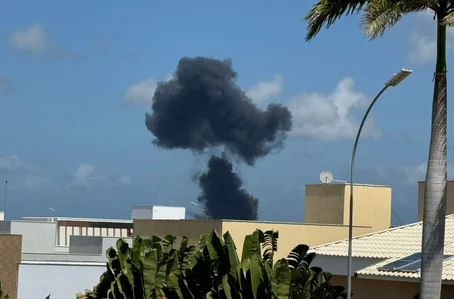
column 435, row 189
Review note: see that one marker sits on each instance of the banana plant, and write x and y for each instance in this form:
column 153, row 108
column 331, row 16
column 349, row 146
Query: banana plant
column 154, row 269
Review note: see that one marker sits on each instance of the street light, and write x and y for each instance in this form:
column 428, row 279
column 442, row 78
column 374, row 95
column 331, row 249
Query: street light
column 203, row 211
column 53, row 210
column 394, row 81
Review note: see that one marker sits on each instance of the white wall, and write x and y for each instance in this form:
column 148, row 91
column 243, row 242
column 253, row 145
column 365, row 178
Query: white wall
column 174, row 213
column 64, row 233
column 2, row 216
column 37, row 237
column 337, row 265
column 61, row 281
column 158, row 212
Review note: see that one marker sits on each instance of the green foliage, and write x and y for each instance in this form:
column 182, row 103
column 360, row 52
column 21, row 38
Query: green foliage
column 156, row 268
column 3, row 295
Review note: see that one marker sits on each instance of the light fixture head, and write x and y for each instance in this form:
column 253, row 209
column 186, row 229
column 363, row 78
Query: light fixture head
column 398, row 77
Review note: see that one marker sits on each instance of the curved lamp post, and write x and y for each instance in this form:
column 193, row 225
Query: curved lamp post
column 203, row 211
column 394, row 81
column 53, row 210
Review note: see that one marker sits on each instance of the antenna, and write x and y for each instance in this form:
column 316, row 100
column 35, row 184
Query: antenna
column 6, row 198
column 326, row 177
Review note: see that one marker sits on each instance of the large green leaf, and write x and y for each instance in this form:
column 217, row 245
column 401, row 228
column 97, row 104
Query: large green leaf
column 256, row 274
column 124, row 256
column 281, row 279
column 214, row 245
column 252, row 245
column 150, row 268
column 233, row 256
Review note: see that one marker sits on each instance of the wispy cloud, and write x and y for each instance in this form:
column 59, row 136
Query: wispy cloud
column 331, row 116
column 414, row 173
column 83, row 174
column 5, row 84
column 423, row 39
column 141, row 94
column 11, row 163
column 125, row 180
column 32, row 38
column 263, row 91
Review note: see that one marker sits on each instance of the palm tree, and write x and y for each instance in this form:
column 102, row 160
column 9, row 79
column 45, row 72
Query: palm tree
column 377, row 16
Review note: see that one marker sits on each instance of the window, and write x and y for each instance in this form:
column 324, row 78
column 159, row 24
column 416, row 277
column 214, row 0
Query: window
column 411, row 263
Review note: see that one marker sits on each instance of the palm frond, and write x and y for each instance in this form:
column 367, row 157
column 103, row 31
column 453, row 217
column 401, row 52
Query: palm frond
column 380, row 15
column 449, row 19
column 326, row 12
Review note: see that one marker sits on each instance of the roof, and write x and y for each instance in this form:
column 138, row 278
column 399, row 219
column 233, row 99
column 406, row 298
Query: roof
column 63, row 263
column 373, row 272
column 390, row 245
column 54, row 219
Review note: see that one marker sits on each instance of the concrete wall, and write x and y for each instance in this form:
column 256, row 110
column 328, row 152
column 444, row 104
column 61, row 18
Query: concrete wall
column 330, row 203
column 108, row 242
column 5, row 227
column 324, row 203
column 64, row 232
column 85, row 245
column 158, row 212
column 10, row 257
column 37, row 237
column 379, row 289
column 450, row 198
column 189, row 228
column 337, row 265
column 59, row 280
column 290, row 234
column 372, row 206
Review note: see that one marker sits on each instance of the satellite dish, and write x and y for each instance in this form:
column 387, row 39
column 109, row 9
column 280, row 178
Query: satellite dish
column 326, row 177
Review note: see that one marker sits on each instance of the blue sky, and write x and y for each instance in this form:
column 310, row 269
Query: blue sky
column 76, row 80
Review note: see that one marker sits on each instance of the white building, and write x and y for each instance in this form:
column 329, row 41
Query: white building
column 71, row 250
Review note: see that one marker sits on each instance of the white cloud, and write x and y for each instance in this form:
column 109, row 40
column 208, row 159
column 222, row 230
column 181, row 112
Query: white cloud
column 424, row 49
column 330, row 117
column 11, row 163
column 125, row 180
column 423, row 39
column 5, row 84
column 263, row 91
column 32, row 38
column 83, row 173
column 412, row 174
column 141, row 94
column 37, row 183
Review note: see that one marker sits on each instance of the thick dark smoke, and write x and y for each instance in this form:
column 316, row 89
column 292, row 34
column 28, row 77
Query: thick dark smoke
column 222, row 194
column 203, row 107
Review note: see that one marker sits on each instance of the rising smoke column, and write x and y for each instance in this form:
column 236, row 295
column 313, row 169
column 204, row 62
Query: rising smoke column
column 202, row 107
column 224, row 185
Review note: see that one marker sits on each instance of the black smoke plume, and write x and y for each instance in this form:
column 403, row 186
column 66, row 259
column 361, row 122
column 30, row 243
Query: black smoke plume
column 222, row 195
column 203, row 107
